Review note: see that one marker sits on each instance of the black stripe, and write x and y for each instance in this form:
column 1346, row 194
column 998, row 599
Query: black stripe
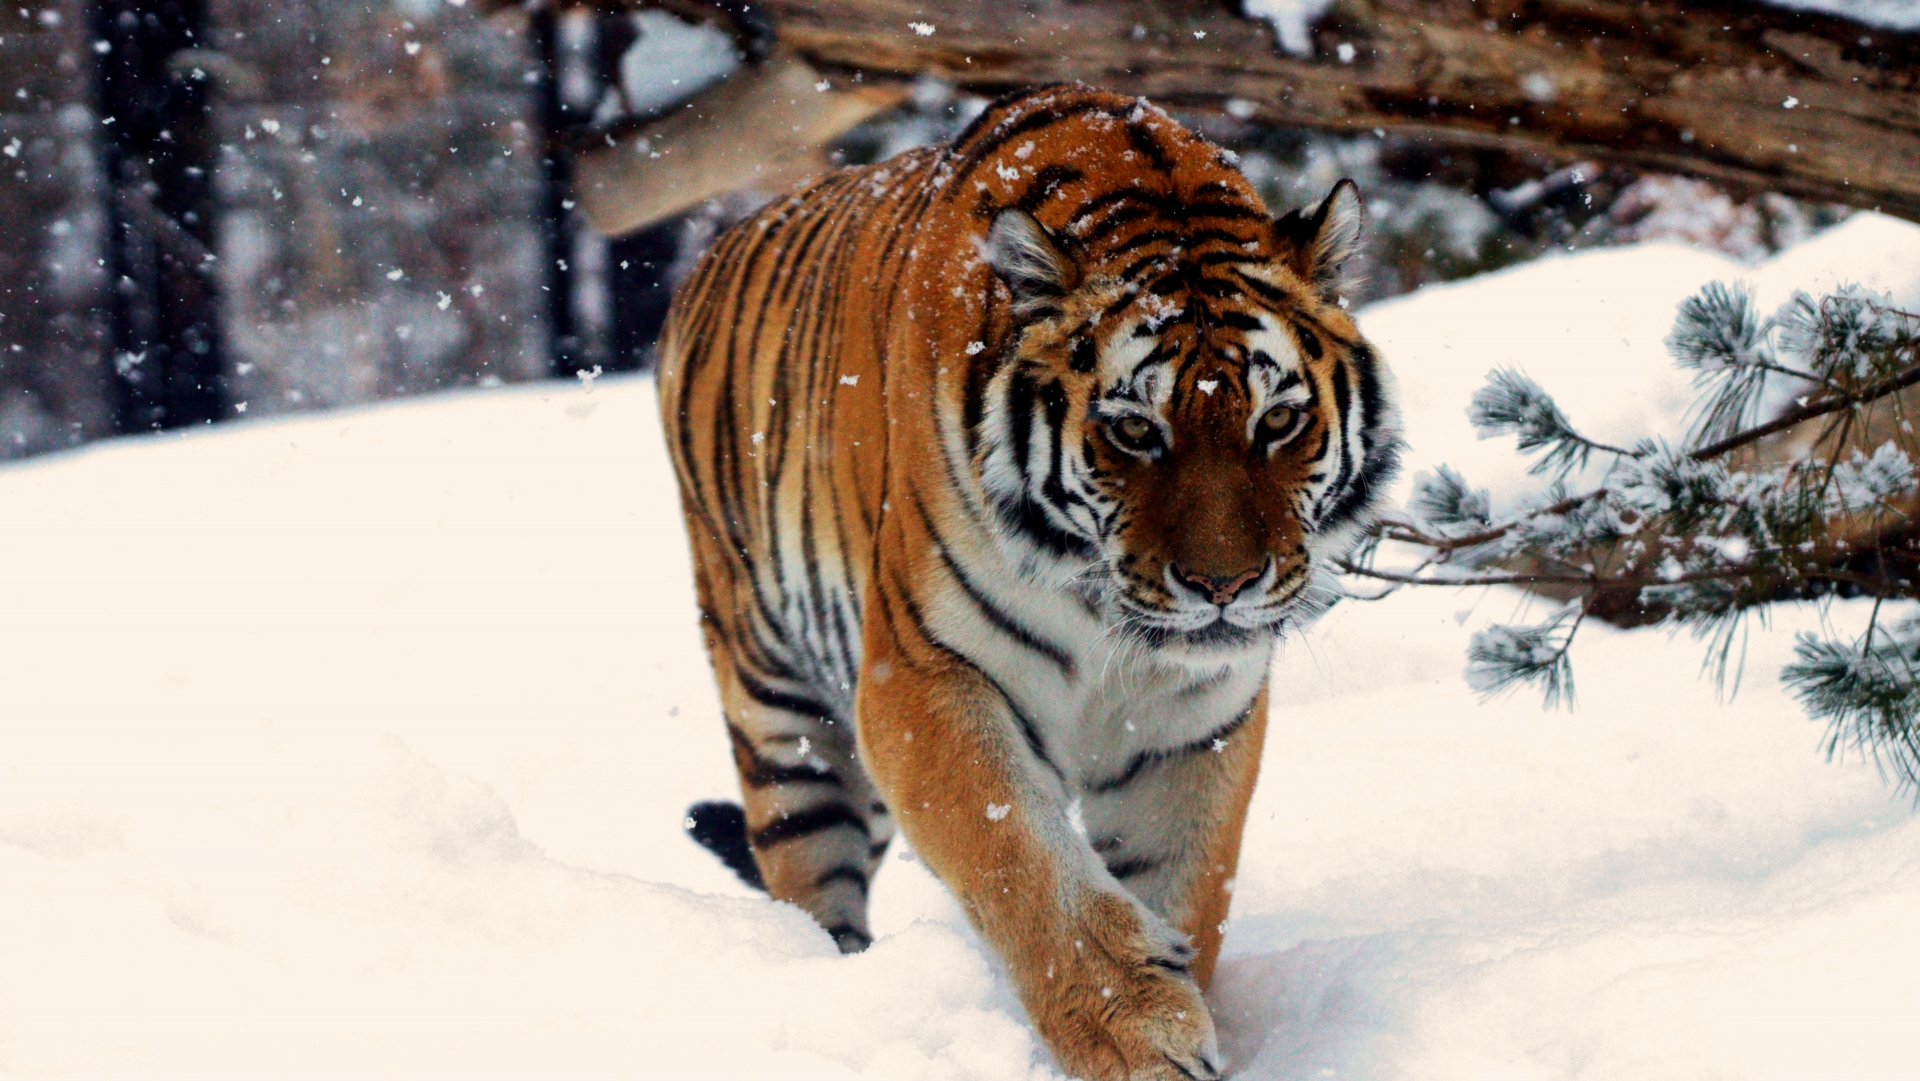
column 1145, row 237
column 1001, row 620
column 1019, row 413
column 779, row 699
column 996, row 110
column 1378, row 467
column 806, row 823
column 1143, row 141
column 973, row 148
column 1085, row 354
column 1141, row 265
column 758, row 771
column 1139, row 763
column 1288, row 380
column 1026, row 517
column 1195, row 210
column 1045, row 183
column 1121, row 217
column 1320, row 451
column 1342, row 399
column 1054, row 488
column 1028, row 730
column 1276, row 297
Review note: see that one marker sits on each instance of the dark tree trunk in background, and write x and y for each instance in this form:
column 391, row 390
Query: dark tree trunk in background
column 640, row 291
column 557, row 220
column 158, row 158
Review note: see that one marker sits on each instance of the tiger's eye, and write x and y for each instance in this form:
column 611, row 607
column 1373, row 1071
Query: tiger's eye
column 1134, row 432
column 1278, row 419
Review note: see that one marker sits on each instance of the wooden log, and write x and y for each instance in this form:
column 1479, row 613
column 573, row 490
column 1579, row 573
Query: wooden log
column 1731, row 90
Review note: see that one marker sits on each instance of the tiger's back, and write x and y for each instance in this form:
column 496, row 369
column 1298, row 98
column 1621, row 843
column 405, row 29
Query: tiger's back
column 771, row 387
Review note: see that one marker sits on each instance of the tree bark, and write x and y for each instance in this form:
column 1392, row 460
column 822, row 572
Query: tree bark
column 1731, row 90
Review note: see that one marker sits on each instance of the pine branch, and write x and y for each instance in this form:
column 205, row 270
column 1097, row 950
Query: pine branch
column 1676, row 533
column 1868, row 694
column 1501, row 658
column 1801, row 414
column 1407, row 534
column 1513, row 403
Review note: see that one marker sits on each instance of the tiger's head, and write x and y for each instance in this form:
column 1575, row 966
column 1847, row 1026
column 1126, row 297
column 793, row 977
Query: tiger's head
column 1185, row 424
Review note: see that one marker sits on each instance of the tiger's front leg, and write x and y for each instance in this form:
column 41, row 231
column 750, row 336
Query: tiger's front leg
column 1169, row 826
column 1108, row 983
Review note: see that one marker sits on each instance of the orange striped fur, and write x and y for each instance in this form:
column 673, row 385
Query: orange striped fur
column 1004, row 464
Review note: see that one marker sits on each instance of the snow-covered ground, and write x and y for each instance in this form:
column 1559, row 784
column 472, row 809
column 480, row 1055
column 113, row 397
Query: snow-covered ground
column 357, row 745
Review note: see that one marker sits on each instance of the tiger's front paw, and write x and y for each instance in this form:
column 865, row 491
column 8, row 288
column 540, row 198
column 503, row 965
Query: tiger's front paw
column 1120, row 1004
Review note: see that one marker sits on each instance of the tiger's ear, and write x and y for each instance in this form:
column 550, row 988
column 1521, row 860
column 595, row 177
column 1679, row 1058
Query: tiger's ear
column 1319, row 245
column 1029, row 260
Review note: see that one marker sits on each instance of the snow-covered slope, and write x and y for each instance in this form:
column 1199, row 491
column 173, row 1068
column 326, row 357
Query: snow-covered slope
column 358, row 744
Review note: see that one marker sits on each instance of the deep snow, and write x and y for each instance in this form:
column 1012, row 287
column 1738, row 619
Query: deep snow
column 358, row 745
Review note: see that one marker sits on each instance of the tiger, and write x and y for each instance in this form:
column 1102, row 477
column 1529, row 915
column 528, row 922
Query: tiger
column 1004, row 465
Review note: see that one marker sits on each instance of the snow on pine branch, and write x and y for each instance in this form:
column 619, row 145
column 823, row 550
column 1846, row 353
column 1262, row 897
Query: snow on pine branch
column 1704, row 532
column 1513, row 403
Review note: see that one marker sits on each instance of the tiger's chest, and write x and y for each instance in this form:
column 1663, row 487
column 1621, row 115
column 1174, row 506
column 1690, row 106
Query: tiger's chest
column 1092, row 700
column 1089, row 698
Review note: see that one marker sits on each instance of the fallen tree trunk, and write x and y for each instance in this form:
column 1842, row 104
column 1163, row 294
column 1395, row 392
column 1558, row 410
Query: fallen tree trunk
column 1730, row 90
column 1809, row 105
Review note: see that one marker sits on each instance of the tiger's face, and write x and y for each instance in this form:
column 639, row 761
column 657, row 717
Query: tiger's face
column 1195, row 443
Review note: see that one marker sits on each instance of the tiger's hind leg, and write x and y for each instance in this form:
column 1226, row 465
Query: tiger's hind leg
column 814, row 822
column 720, row 827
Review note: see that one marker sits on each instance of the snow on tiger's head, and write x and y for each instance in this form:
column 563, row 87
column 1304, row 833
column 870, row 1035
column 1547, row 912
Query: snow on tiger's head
column 1182, row 403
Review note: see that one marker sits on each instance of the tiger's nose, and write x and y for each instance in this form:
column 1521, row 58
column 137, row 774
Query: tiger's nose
column 1219, row 588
